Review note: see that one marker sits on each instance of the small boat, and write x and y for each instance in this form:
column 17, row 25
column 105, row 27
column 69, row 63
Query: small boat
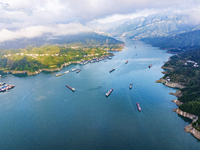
column 71, row 88
column 126, row 62
column 109, row 92
column 100, row 85
column 138, row 107
column 150, row 66
column 130, row 87
column 74, row 69
column 112, row 70
column 58, row 74
column 66, row 72
column 0, row 75
column 78, row 71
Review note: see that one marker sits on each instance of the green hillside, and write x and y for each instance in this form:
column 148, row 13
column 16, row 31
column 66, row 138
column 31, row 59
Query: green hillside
column 184, row 69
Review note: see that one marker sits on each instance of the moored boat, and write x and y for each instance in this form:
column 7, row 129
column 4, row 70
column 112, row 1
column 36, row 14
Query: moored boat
column 78, row 71
column 66, row 72
column 109, row 92
column 74, row 69
column 71, row 88
column 138, row 106
column 131, row 85
column 58, row 74
column 112, row 70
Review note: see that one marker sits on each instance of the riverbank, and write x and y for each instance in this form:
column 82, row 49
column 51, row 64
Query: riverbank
column 29, row 73
column 188, row 128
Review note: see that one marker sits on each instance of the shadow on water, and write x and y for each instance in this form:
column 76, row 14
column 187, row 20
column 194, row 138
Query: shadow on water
column 185, row 119
column 21, row 75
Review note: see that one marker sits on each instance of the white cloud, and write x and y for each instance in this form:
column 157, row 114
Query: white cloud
column 53, row 16
column 35, row 31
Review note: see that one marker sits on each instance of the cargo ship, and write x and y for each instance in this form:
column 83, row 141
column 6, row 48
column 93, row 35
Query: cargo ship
column 78, row 71
column 109, row 92
column 131, row 85
column 112, row 70
column 138, row 107
column 71, row 88
column 6, row 87
column 150, row 66
column 126, row 62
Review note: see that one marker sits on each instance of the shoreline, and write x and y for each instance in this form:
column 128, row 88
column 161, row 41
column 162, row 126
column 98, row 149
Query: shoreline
column 170, row 84
column 188, row 128
column 29, row 73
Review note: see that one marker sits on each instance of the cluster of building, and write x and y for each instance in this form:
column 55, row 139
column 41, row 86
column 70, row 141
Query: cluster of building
column 34, row 55
column 193, row 62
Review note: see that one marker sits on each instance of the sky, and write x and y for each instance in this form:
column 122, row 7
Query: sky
column 28, row 18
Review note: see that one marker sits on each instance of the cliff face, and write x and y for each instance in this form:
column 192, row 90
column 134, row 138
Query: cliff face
column 188, row 128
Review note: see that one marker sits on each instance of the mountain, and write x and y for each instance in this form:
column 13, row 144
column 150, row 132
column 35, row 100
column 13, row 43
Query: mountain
column 155, row 25
column 79, row 39
column 177, row 43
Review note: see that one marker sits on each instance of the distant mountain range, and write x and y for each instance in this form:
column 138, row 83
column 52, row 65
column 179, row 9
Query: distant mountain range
column 79, row 39
column 177, row 43
column 156, row 25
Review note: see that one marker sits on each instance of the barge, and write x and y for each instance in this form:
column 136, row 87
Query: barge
column 138, row 107
column 74, row 69
column 71, row 88
column 112, row 70
column 78, row 71
column 130, row 87
column 58, row 74
column 66, row 72
column 5, row 87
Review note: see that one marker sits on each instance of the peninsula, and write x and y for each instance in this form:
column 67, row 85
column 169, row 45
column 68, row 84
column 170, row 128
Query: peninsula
column 53, row 57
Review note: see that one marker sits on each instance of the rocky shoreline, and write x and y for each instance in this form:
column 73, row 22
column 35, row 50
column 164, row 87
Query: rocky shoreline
column 170, row 84
column 188, row 128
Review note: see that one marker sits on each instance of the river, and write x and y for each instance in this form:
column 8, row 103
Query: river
column 41, row 113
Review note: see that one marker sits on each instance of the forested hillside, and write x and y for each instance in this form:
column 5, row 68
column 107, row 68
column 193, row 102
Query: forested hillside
column 184, row 69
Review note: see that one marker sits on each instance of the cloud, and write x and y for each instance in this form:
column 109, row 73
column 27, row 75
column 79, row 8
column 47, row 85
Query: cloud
column 35, row 31
column 54, row 16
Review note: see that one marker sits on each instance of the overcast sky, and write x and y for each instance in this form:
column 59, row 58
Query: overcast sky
column 31, row 18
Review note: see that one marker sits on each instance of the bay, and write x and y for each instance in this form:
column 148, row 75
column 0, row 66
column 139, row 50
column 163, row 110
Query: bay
column 41, row 113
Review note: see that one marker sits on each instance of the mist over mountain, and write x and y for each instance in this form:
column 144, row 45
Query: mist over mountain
column 48, row 39
column 155, row 25
column 177, row 43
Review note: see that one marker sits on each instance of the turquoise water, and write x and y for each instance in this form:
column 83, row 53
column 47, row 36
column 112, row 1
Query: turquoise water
column 41, row 113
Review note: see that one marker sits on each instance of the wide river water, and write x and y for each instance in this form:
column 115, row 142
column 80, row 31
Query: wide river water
column 42, row 113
